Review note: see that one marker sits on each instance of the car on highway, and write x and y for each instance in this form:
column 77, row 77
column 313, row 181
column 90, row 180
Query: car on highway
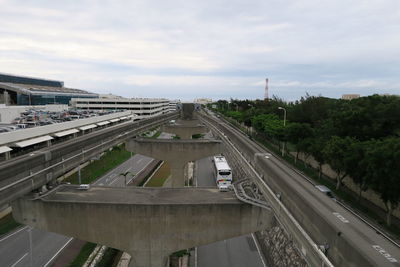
column 325, row 190
column 84, row 187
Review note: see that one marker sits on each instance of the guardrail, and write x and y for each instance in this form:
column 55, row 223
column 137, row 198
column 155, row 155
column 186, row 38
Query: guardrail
column 306, row 246
column 49, row 164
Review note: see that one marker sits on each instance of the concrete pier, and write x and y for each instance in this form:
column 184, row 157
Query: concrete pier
column 184, row 131
column 148, row 223
column 177, row 153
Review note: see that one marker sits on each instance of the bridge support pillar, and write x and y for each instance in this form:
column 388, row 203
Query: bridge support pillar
column 184, row 131
column 177, row 153
column 148, row 223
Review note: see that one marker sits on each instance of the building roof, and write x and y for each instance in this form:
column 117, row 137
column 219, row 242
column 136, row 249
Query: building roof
column 40, row 89
column 24, row 134
column 33, row 141
column 121, row 99
column 9, row 78
column 220, row 163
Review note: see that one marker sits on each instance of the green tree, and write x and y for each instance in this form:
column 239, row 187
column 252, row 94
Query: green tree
column 383, row 171
column 357, row 165
column 316, row 150
column 299, row 134
column 336, row 152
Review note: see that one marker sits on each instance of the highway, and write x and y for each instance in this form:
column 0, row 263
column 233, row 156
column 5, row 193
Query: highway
column 234, row 252
column 134, row 165
column 351, row 241
column 14, row 247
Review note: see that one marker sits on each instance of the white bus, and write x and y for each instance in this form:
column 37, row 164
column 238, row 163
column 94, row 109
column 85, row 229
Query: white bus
column 223, row 173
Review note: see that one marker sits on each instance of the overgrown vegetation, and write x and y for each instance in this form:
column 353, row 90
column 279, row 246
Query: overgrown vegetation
column 97, row 168
column 359, row 138
column 83, row 255
column 7, row 223
column 160, row 176
column 197, row 136
column 108, row 258
column 181, row 253
column 156, row 135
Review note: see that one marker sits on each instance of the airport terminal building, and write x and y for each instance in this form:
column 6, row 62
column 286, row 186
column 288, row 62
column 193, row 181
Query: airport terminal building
column 27, row 91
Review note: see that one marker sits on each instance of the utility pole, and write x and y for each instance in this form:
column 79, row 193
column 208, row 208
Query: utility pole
column 284, row 125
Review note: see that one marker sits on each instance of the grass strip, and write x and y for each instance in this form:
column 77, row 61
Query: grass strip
column 83, row 255
column 197, row 136
column 160, row 176
column 7, row 223
column 156, row 135
column 108, row 161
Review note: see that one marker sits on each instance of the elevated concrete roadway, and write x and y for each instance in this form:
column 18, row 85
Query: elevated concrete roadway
column 26, row 173
column 176, row 152
column 148, row 223
column 14, row 247
column 185, row 130
column 351, row 241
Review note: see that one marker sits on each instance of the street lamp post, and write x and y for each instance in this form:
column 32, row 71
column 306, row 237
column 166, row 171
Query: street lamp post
column 251, row 126
column 284, row 125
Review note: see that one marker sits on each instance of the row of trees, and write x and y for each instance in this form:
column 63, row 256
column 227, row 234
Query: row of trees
column 358, row 138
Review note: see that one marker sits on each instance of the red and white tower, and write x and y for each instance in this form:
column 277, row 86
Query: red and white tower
column 266, row 90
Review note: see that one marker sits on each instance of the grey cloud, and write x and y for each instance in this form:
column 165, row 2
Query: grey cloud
column 219, row 48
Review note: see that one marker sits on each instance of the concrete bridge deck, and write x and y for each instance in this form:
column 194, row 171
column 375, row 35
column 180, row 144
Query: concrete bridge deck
column 148, row 223
column 142, row 196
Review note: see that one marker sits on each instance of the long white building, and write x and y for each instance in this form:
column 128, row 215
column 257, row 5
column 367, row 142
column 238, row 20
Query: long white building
column 143, row 107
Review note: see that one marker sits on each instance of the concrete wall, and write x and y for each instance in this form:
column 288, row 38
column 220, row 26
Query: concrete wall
column 148, row 232
column 279, row 249
column 187, row 111
column 184, row 131
column 174, row 150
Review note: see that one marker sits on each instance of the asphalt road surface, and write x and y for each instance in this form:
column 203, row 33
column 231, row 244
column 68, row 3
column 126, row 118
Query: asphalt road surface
column 235, row 252
column 134, row 165
column 14, row 247
column 298, row 193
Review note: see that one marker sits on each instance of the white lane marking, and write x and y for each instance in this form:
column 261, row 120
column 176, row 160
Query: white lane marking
column 129, row 169
column 16, row 232
column 58, row 252
column 133, row 176
column 140, row 160
column 340, row 217
column 259, row 250
column 15, row 264
column 114, row 181
column 384, row 253
column 113, row 175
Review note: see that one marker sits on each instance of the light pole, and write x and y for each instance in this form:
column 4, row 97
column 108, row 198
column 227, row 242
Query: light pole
column 284, row 125
column 251, row 126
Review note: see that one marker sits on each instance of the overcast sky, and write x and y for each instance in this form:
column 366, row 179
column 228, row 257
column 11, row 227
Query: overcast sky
column 218, row 49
